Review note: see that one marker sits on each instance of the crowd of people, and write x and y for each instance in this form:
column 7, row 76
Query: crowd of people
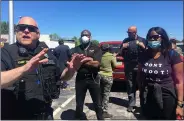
column 31, row 74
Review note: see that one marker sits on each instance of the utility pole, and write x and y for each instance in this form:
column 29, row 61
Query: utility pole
column 11, row 23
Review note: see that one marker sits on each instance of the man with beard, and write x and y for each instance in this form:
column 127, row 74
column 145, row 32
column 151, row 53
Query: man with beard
column 87, row 77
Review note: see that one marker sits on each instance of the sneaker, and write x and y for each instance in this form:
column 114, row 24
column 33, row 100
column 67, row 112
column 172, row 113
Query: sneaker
column 107, row 115
column 130, row 109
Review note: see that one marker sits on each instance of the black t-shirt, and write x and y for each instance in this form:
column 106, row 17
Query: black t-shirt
column 158, row 70
column 62, row 53
column 131, row 54
column 92, row 51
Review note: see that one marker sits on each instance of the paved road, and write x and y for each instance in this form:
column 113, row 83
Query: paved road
column 65, row 105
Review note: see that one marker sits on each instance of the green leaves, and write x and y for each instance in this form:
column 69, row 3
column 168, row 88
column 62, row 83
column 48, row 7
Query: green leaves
column 54, row 37
column 5, row 27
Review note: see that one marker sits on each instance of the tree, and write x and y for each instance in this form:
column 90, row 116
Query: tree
column 96, row 42
column 5, row 27
column 54, row 37
column 77, row 41
column 75, row 38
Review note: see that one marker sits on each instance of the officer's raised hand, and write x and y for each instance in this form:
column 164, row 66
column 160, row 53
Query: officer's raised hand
column 10, row 76
column 36, row 60
column 141, row 44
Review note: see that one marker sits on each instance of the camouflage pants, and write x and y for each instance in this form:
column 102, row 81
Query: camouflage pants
column 105, row 84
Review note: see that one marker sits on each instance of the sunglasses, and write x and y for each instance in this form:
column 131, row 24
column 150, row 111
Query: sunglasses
column 85, row 35
column 155, row 37
column 22, row 27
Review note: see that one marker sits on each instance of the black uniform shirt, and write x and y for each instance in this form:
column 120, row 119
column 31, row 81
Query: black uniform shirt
column 131, row 54
column 9, row 96
column 92, row 51
column 7, row 62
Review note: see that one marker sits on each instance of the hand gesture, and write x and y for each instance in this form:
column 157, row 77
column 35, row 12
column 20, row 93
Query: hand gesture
column 141, row 44
column 77, row 61
column 115, row 54
column 35, row 61
column 125, row 45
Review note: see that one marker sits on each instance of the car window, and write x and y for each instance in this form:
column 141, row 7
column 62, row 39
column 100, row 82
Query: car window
column 115, row 48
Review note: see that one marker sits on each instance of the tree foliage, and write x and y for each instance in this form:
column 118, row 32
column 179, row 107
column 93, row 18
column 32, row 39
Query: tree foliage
column 5, row 27
column 54, row 37
column 77, row 40
column 96, row 42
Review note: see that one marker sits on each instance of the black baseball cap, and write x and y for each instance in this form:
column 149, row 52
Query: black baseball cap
column 85, row 33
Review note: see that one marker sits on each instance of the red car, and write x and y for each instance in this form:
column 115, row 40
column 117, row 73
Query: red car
column 118, row 72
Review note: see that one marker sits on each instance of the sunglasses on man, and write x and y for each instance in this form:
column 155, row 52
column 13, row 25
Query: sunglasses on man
column 22, row 27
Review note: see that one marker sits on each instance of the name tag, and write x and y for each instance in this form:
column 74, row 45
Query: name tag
column 21, row 62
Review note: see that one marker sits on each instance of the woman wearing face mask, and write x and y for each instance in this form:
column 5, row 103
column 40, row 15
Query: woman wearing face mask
column 159, row 99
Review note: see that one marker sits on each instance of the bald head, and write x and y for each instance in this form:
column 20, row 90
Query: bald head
column 132, row 32
column 28, row 20
column 27, row 32
column 132, row 29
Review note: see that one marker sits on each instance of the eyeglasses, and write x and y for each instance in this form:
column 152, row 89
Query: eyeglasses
column 155, row 37
column 22, row 27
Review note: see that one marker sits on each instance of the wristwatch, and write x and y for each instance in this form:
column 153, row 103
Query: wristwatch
column 180, row 104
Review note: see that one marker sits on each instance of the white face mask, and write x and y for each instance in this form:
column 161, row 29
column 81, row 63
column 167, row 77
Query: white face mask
column 85, row 40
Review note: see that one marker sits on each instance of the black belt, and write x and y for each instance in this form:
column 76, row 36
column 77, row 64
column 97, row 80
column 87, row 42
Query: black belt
column 87, row 75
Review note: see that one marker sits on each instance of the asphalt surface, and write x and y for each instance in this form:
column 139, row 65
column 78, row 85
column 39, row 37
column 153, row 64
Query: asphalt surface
column 65, row 106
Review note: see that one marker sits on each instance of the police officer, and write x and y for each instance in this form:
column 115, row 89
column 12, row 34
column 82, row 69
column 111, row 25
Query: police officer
column 87, row 76
column 131, row 47
column 29, row 73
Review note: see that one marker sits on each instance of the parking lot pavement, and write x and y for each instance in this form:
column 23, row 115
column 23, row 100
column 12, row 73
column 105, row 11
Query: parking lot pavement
column 65, row 94
column 117, row 107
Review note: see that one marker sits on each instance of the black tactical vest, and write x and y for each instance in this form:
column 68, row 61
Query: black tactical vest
column 40, row 83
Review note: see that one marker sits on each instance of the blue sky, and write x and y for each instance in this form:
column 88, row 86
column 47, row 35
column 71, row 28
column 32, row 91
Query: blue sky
column 106, row 20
